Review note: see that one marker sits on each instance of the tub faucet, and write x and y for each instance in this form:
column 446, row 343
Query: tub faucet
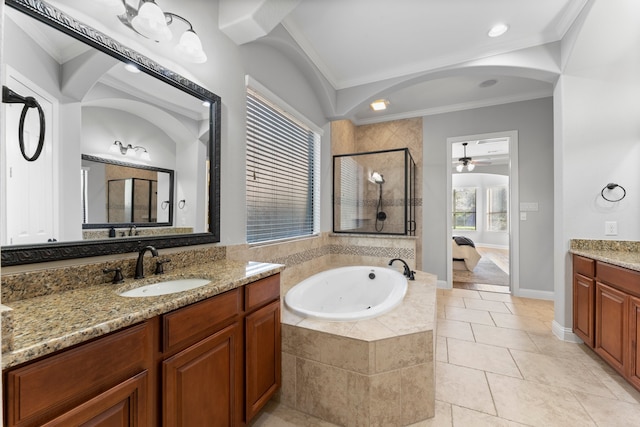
column 407, row 271
column 140, row 263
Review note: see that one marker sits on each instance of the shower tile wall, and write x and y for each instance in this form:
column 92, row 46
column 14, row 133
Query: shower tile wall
column 347, row 138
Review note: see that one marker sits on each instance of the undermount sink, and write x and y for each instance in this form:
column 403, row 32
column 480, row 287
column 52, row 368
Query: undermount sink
column 165, row 288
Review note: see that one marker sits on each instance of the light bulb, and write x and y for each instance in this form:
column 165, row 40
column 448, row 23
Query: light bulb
column 151, row 22
column 459, row 167
column 190, row 47
column 471, row 167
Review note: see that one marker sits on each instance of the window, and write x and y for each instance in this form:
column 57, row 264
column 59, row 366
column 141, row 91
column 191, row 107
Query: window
column 464, row 208
column 497, row 208
column 283, row 173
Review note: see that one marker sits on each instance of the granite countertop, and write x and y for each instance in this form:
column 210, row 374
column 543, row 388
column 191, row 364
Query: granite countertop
column 630, row 260
column 49, row 323
column 621, row 253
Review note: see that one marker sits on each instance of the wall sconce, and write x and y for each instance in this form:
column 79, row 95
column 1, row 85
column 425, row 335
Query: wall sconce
column 151, row 22
column 130, row 151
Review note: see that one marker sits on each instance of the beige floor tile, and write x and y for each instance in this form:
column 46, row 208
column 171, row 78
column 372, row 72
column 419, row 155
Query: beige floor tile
column 454, row 329
column 542, row 313
column 536, row 404
column 620, row 388
column 463, row 417
column 480, row 304
column 495, row 296
column 279, row 415
column 451, row 300
column 466, row 293
column 441, row 419
column 609, row 412
column 503, row 337
column 468, row 315
column 559, row 372
column 482, row 356
column 524, row 323
column 442, row 354
column 549, row 344
column 463, row 387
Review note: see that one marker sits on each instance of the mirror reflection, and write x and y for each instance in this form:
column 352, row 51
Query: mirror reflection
column 92, row 102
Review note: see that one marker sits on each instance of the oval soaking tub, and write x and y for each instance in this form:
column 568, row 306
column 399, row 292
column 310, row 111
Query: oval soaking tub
column 348, row 293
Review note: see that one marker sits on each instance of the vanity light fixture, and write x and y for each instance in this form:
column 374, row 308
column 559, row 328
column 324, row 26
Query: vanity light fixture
column 130, row 151
column 379, row 104
column 498, row 30
column 151, row 22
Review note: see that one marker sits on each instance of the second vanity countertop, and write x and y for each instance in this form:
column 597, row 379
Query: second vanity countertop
column 45, row 324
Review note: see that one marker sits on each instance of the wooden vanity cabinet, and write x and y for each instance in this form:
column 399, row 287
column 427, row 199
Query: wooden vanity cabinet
column 212, row 363
column 615, row 310
column 102, row 382
column 584, row 286
column 262, row 343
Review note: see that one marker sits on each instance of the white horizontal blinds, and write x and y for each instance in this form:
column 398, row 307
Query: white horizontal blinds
column 281, row 170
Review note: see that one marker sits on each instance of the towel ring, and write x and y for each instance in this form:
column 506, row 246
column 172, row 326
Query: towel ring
column 611, row 186
column 181, row 203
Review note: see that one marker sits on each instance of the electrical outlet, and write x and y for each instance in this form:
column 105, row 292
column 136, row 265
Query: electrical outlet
column 610, row 228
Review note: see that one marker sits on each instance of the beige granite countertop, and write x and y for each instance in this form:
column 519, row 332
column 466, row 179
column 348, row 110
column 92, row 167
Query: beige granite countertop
column 621, row 253
column 49, row 323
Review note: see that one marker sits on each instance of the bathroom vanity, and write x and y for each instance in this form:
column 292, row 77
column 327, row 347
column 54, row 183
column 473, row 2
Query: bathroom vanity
column 210, row 356
column 606, row 307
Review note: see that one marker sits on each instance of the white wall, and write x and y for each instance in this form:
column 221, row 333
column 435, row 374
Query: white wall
column 597, row 132
column 534, row 122
column 481, row 182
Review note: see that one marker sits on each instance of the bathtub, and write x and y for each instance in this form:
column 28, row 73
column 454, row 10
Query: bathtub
column 348, row 293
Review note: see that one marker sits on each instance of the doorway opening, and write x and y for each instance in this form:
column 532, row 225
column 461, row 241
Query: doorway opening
column 482, row 204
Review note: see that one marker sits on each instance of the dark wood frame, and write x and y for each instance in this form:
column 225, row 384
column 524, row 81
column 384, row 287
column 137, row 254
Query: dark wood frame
column 27, row 254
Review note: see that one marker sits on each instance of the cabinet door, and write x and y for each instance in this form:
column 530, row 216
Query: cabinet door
column 122, row 405
column 634, row 336
column 611, row 326
column 263, row 358
column 584, row 308
column 202, row 385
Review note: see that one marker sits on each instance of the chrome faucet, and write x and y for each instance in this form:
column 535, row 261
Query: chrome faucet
column 140, row 263
column 407, row 271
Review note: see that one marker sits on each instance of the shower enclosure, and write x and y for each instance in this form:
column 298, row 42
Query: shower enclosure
column 374, row 192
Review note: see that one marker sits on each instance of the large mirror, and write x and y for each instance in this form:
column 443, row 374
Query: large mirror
column 164, row 128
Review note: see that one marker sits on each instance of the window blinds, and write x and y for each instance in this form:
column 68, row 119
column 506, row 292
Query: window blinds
column 282, row 173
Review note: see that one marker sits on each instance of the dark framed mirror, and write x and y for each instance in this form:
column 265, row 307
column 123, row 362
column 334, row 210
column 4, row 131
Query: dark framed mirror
column 189, row 116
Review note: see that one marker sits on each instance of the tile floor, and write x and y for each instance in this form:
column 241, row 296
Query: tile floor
column 498, row 364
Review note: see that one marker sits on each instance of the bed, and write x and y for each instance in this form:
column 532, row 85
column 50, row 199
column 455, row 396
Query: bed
column 464, row 253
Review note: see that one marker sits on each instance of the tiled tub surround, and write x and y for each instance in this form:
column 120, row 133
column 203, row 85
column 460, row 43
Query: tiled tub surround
column 617, row 252
column 47, row 323
column 371, row 372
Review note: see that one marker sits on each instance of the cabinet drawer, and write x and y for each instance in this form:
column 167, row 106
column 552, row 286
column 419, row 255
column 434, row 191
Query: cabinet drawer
column 261, row 292
column 584, row 266
column 50, row 387
column 187, row 325
column 620, row 278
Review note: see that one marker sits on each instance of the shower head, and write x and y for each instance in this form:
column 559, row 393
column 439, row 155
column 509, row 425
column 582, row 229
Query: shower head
column 376, row 178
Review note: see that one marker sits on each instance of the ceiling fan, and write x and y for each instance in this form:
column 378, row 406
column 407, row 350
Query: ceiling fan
column 468, row 161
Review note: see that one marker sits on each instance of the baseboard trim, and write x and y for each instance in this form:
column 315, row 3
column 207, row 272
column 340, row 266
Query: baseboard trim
column 442, row 284
column 532, row 293
column 565, row 334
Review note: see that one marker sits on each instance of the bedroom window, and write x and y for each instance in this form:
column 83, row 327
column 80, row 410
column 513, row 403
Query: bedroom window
column 464, row 208
column 497, row 203
column 283, row 171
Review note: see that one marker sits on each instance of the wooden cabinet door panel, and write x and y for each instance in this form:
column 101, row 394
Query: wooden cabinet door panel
column 611, row 326
column 583, row 308
column 121, row 406
column 634, row 336
column 200, row 384
column 263, row 357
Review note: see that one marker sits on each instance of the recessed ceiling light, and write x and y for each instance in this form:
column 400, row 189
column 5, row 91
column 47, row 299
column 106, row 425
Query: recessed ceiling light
column 131, row 68
column 488, row 83
column 379, row 105
column 498, row 30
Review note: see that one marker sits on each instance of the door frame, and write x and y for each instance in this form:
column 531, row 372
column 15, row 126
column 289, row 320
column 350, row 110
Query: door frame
column 514, row 203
